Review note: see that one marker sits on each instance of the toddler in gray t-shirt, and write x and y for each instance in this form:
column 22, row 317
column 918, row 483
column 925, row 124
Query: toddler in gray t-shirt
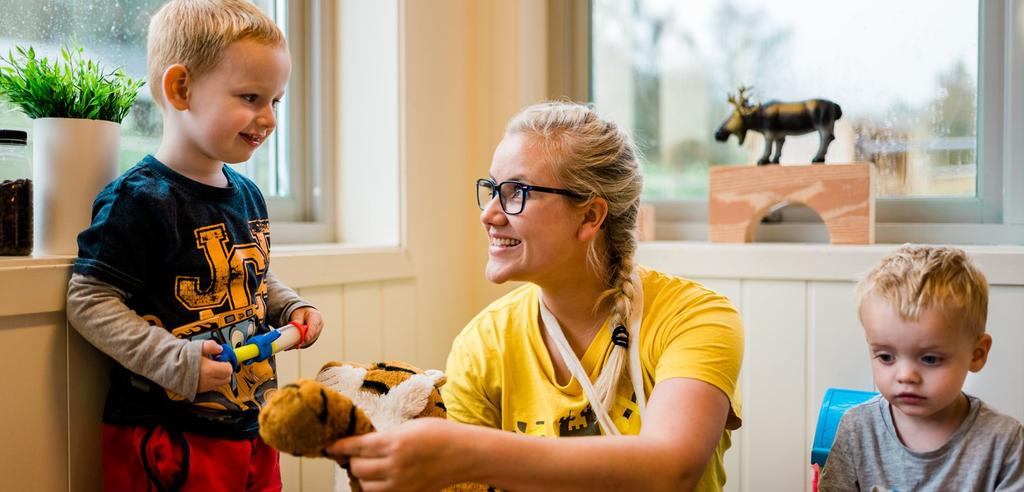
column 984, row 453
column 923, row 309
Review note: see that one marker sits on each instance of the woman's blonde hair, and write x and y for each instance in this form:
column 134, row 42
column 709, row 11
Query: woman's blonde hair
column 593, row 157
column 914, row 278
column 195, row 33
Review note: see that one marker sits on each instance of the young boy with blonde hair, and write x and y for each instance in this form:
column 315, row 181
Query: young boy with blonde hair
column 177, row 263
column 923, row 310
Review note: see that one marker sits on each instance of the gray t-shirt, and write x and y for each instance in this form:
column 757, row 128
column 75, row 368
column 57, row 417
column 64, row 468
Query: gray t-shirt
column 985, row 453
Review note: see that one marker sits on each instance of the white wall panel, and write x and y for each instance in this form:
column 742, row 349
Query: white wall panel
column 837, row 356
column 315, row 473
column 330, row 301
column 999, row 382
column 774, row 385
column 398, row 322
column 732, row 289
column 362, row 322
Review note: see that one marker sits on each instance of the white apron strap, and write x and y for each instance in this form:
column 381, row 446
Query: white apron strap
column 554, row 330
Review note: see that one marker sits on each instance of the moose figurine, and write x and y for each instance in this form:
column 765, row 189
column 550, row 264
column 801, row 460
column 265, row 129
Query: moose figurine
column 775, row 120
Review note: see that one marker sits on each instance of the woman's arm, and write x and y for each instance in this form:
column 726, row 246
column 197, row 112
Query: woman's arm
column 684, row 423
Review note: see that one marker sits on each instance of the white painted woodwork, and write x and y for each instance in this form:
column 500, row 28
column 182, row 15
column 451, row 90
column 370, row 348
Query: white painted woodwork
column 772, row 382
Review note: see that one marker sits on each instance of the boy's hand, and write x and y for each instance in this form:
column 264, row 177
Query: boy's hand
column 314, row 322
column 212, row 374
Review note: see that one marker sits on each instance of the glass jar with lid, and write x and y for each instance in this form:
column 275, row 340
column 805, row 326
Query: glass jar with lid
column 15, row 194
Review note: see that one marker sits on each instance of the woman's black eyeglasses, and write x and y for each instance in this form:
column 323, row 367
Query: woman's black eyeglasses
column 512, row 195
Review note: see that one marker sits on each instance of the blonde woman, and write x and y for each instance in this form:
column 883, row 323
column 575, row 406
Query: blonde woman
column 640, row 365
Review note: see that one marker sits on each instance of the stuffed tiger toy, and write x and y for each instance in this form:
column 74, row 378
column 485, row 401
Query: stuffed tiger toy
column 348, row 399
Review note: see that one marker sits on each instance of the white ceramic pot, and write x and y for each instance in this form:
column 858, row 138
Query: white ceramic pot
column 72, row 160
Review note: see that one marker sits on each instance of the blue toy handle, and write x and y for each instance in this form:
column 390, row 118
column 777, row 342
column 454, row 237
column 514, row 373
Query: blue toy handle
column 227, row 354
column 258, row 348
column 834, row 404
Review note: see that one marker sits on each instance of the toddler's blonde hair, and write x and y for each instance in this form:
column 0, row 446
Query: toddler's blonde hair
column 195, row 33
column 914, row 278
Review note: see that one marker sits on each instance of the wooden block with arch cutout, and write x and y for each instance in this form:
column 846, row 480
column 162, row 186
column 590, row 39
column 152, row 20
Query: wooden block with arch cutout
column 843, row 195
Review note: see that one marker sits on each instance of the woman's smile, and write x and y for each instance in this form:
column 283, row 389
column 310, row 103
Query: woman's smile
column 504, row 242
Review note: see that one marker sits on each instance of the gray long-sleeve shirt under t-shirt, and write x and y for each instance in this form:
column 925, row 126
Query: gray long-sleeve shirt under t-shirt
column 99, row 311
column 983, row 454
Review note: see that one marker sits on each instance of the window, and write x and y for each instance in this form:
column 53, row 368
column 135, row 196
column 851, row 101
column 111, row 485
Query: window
column 114, row 34
column 118, row 40
column 918, row 83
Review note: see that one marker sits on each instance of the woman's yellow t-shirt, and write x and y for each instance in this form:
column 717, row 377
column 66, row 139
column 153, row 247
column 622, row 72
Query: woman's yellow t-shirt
column 500, row 373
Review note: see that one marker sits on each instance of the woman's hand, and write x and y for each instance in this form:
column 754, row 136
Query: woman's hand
column 421, row 454
column 313, row 320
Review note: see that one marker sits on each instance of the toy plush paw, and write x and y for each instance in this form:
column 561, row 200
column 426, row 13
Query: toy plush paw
column 305, row 417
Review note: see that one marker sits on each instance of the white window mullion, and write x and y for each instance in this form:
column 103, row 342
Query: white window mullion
column 1013, row 129
column 323, row 29
column 991, row 113
column 303, row 212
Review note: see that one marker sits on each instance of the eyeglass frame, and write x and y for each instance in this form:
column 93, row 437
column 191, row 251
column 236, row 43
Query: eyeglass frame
column 525, row 188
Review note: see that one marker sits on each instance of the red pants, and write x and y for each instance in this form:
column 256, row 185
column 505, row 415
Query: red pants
column 155, row 459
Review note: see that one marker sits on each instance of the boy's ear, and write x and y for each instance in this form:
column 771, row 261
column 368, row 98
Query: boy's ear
column 980, row 354
column 594, row 214
column 176, row 85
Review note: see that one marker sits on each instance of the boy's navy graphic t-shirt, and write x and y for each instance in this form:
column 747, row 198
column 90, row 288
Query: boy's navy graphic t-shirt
column 193, row 260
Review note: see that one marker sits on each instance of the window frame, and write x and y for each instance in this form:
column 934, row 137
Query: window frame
column 346, row 87
column 308, row 215
column 994, row 215
column 1012, row 105
column 304, row 140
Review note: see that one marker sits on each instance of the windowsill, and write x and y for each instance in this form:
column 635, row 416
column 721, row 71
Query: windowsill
column 330, row 249
column 34, row 284
column 312, row 265
column 1003, row 265
column 280, row 251
column 35, row 261
column 965, row 234
column 38, row 284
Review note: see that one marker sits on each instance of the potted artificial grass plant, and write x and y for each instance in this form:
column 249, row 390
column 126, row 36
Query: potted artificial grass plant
column 76, row 110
